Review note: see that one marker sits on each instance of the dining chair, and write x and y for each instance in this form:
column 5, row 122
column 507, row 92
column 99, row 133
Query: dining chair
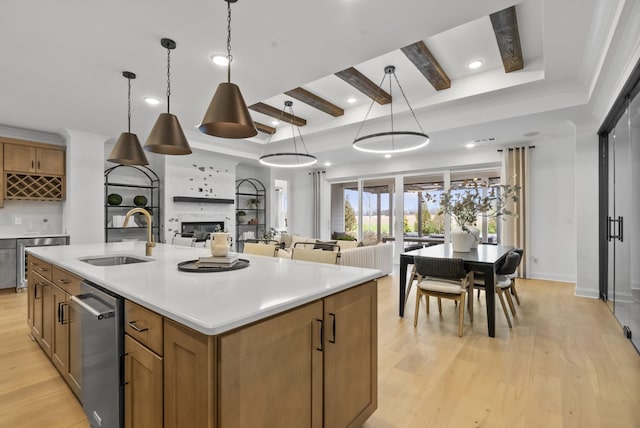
column 260, row 249
column 479, row 279
column 444, row 279
column 504, row 282
column 318, row 256
column 183, row 241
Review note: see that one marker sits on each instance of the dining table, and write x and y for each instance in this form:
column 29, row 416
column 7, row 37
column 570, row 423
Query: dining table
column 485, row 258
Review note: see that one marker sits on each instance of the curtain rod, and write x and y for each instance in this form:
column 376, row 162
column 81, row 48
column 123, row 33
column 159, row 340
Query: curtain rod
column 313, row 172
column 511, row 148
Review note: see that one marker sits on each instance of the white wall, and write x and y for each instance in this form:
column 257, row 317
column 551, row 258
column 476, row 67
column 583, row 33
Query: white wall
column 552, row 234
column 200, row 175
column 83, row 210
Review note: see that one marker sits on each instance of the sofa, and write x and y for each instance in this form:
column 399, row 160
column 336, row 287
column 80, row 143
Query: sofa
column 352, row 253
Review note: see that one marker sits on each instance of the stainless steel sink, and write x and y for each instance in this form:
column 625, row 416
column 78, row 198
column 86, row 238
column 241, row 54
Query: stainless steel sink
column 114, row 260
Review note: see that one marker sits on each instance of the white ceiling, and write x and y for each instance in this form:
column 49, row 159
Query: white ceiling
column 62, row 64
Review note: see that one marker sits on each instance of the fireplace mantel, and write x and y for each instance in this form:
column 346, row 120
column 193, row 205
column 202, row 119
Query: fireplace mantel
column 203, row 200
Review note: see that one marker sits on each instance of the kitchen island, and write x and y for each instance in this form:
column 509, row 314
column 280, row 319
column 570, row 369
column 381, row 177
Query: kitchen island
column 279, row 343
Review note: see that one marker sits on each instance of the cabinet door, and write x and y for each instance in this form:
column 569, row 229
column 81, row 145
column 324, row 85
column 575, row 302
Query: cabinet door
column 19, row 158
column 351, row 356
column 74, row 365
column 38, row 284
column 50, row 161
column 143, row 386
column 270, row 373
column 189, row 377
column 30, row 300
column 60, row 330
column 46, row 339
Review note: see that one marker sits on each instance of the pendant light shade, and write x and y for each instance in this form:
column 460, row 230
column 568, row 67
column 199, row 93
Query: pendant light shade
column 293, row 159
column 392, row 141
column 127, row 150
column 227, row 115
column 167, row 137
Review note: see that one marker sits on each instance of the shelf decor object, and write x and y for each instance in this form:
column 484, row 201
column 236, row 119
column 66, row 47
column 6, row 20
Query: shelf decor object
column 140, row 201
column 288, row 159
column 391, row 141
column 167, row 137
column 114, row 199
column 127, row 150
column 227, row 115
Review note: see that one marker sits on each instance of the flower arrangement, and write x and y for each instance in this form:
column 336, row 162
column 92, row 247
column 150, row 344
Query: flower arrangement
column 465, row 204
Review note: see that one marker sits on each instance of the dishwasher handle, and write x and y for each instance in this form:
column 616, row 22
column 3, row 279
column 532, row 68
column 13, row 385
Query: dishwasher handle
column 101, row 312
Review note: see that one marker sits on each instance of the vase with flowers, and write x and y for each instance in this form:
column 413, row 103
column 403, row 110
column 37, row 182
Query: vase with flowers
column 465, row 204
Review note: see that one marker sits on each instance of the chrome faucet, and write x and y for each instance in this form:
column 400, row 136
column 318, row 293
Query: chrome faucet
column 150, row 244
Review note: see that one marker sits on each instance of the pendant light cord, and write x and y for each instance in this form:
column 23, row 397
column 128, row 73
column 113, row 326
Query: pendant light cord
column 407, row 101
column 168, row 77
column 229, row 57
column 129, row 106
column 369, row 110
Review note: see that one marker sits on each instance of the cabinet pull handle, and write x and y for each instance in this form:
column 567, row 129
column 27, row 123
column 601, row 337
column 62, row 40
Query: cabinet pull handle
column 321, row 349
column 123, row 363
column 35, row 290
column 33, row 164
column 333, row 327
column 620, row 224
column 608, row 228
column 134, row 326
column 64, row 281
column 61, row 314
column 38, row 164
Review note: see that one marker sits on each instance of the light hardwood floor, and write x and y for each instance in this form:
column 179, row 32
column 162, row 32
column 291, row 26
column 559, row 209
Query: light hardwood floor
column 564, row 364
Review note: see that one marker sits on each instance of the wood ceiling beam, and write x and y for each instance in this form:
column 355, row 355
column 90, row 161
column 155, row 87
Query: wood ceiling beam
column 423, row 59
column 278, row 114
column 264, row 128
column 505, row 26
column 364, row 85
column 315, row 101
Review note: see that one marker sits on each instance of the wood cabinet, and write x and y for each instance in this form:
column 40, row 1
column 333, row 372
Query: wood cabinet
column 143, row 367
column 31, row 158
column 260, row 364
column 350, row 356
column 54, row 324
column 143, row 378
column 189, row 377
column 31, row 171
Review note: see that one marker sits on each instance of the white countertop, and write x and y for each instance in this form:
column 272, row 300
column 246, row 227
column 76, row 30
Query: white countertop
column 210, row 303
column 31, row 235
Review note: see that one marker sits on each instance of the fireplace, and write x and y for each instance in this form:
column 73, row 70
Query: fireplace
column 200, row 229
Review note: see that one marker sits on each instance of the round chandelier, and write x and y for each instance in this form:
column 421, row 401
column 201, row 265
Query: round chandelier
column 391, row 141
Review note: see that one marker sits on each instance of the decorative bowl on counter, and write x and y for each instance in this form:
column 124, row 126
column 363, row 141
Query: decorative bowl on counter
column 114, row 199
column 140, row 201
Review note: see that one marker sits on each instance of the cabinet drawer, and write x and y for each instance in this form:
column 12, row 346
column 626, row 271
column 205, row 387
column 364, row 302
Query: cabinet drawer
column 66, row 280
column 145, row 326
column 40, row 267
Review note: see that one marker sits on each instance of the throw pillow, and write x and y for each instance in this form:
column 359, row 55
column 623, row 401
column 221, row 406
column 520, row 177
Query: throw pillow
column 308, row 242
column 325, row 245
column 285, row 239
column 346, row 245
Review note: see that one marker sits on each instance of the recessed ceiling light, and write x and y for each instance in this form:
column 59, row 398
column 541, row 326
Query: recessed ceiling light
column 351, row 100
column 274, row 122
column 475, row 64
column 531, row 134
column 387, row 156
column 152, row 101
column 327, row 164
column 219, row 59
column 470, row 145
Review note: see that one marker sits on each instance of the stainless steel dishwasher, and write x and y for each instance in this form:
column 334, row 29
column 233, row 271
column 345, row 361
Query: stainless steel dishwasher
column 101, row 324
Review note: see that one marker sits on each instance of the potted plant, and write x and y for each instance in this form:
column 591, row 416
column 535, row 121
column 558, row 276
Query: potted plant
column 241, row 216
column 253, row 203
column 467, row 203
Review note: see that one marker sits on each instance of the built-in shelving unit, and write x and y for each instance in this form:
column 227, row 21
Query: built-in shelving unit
column 253, row 224
column 130, row 181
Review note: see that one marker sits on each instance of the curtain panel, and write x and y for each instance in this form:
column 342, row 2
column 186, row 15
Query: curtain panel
column 515, row 171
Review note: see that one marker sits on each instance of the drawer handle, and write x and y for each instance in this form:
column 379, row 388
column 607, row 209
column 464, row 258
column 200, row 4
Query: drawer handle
column 134, row 326
column 44, row 270
column 64, row 281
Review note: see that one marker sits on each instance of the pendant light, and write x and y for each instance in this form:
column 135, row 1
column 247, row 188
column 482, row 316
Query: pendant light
column 293, row 159
column 227, row 115
column 392, row 141
column 127, row 150
column 167, row 137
